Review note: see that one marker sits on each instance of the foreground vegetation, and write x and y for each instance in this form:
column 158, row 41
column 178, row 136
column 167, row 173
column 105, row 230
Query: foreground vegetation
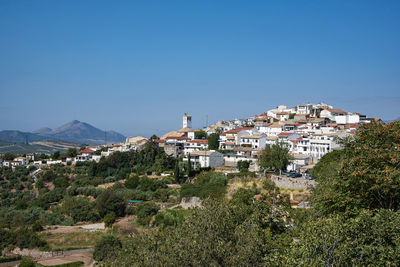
column 354, row 219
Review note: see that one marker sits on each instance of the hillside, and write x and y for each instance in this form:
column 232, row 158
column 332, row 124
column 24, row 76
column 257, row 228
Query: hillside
column 18, row 136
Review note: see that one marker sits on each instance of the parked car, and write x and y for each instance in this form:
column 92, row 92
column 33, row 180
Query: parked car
column 293, row 174
column 309, row 177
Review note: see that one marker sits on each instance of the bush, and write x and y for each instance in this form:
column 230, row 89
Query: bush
column 170, row 217
column 37, row 227
column 108, row 202
column 132, row 182
column 107, row 248
column 10, row 258
column 145, row 211
column 207, row 184
column 80, row 209
column 109, row 219
column 27, row 262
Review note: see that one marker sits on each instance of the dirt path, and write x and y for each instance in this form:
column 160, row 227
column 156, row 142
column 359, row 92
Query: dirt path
column 83, row 255
column 9, row 264
column 76, row 228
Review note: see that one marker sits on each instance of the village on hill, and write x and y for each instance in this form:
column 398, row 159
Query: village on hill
column 309, row 131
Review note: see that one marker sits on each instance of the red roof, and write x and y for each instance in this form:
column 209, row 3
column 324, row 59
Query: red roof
column 159, row 141
column 86, row 150
column 237, row 130
column 198, row 141
column 285, row 133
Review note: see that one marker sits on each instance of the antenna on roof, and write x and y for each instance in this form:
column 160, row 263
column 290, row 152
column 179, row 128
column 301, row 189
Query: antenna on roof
column 105, row 137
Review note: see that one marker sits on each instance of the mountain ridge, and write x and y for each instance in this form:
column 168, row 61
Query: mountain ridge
column 74, row 131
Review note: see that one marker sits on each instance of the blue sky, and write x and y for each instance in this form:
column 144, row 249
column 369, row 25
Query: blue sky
column 137, row 66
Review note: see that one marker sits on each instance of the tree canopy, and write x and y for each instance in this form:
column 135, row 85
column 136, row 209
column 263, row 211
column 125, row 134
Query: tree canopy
column 364, row 175
column 213, row 141
column 275, row 157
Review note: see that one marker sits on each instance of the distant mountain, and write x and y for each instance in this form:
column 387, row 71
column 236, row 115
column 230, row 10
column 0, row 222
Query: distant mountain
column 20, row 137
column 76, row 131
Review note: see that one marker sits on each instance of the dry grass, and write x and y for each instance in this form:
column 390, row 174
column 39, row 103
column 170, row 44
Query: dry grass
column 71, row 240
column 247, row 183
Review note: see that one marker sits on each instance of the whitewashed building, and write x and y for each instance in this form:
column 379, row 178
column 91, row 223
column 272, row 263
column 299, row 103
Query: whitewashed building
column 194, row 145
column 255, row 141
column 206, row 158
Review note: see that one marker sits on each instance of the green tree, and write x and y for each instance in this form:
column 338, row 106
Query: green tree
column 71, row 152
column 177, row 173
column 275, row 157
column 132, row 182
column 369, row 239
column 56, row 155
column 200, row 134
column 189, row 167
column 27, row 262
column 109, row 219
column 37, row 227
column 364, row 175
column 213, row 141
column 243, row 164
column 154, row 137
column 108, row 202
column 211, row 236
column 145, row 211
column 107, row 248
column 8, row 156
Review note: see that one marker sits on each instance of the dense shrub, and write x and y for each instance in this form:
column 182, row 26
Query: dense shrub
column 108, row 202
column 132, row 182
column 171, row 217
column 27, row 262
column 109, row 219
column 145, row 212
column 107, row 248
column 207, row 184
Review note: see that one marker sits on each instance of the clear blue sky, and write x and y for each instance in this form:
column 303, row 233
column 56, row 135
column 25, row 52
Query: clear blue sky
column 137, row 66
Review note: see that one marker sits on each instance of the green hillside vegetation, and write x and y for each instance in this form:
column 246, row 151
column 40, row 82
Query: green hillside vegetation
column 354, row 218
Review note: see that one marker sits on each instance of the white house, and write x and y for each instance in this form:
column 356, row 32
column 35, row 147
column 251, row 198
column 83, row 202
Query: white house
column 230, row 139
column 206, row 158
column 303, row 109
column 348, row 118
column 255, row 141
column 272, row 129
column 23, row 160
column 12, row 163
column 194, row 145
column 340, row 116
